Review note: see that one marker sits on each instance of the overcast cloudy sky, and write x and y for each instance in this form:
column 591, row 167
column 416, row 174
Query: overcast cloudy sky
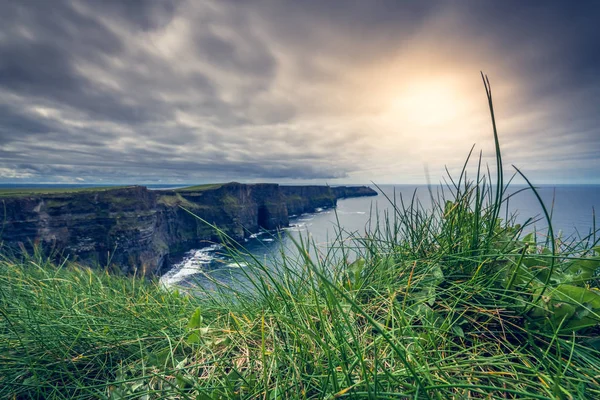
column 297, row 91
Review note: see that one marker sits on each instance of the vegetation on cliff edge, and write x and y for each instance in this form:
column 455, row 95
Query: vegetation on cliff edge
column 31, row 191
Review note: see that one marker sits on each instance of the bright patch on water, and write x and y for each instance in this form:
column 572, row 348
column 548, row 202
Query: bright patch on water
column 237, row 265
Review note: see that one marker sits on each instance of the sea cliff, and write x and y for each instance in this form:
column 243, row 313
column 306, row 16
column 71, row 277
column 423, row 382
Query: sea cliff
column 136, row 228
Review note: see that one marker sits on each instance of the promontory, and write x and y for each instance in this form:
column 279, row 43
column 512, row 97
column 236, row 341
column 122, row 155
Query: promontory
column 137, row 228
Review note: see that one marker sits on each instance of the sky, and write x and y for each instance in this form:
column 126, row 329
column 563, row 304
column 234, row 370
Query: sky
column 327, row 92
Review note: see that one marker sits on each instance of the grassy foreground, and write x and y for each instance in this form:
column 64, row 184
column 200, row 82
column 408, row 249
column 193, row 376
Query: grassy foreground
column 446, row 302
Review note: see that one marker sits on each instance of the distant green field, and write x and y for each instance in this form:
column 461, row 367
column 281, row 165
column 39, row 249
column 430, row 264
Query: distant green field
column 24, row 191
column 28, row 191
column 209, row 186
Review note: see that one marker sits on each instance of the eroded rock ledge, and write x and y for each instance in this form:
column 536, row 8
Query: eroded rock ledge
column 134, row 227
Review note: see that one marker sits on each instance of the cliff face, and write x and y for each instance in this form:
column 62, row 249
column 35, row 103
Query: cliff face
column 135, row 227
column 304, row 199
column 106, row 225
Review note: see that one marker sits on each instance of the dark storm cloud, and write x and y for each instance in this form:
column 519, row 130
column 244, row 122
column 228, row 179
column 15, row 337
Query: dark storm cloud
column 557, row 36
column 43, row 41
column 14, row 124
column 216, row 90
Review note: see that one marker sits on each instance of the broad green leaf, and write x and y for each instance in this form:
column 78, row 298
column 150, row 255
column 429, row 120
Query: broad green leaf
column 437, row 273
column 183, row 381
column 579, row 295
column 520, row 276
column 539, row 311
column 426, row 295
column 529, row 239
column 355, row 271
column 532, row 261
column 572, row 307
column 562, row 310
column 193, row 338
column 196, row 320
column 197, row 335
column 458, row 331
column 579, row 271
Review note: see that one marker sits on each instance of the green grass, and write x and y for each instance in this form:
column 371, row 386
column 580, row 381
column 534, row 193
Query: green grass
column 24, row 191
column 454, row 301
column 176, row 200
column 200, row 188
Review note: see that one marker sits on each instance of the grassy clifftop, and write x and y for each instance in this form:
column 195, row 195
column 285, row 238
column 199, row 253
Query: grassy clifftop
column 29, row 191
column 198, row 188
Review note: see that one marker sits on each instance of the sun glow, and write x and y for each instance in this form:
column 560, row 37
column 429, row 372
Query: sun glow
column 429, row 117
column 427, row 104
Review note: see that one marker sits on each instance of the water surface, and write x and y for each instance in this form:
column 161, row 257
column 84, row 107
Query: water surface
column 572, row 208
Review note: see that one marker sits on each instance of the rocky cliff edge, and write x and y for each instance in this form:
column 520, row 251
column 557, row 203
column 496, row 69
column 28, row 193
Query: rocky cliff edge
column 136, row 228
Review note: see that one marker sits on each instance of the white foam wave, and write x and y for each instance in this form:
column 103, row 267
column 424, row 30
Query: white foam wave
column 237, row 265
column 193, row 262
column 301, row 227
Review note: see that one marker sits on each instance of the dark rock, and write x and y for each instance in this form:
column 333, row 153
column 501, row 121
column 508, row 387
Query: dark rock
column 136, row 228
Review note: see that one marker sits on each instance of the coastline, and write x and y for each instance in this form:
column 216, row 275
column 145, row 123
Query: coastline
column 135, row 229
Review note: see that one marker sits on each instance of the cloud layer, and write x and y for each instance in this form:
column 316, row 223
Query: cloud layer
column 190, row 91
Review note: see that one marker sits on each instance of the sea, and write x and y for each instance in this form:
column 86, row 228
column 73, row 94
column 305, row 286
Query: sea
column 571, row 209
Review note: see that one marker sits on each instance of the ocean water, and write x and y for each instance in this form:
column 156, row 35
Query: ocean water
column 572, row 208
